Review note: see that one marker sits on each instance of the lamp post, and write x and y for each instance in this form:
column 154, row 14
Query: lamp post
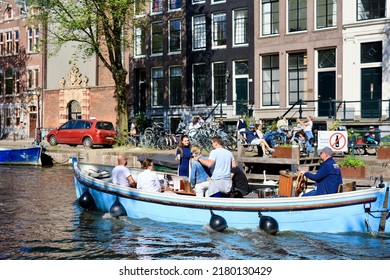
column 38, row 136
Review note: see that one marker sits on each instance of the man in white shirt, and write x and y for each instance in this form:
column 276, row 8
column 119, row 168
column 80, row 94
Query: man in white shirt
column 121, row 174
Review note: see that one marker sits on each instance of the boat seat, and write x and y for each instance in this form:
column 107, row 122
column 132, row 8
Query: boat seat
column 347, row 187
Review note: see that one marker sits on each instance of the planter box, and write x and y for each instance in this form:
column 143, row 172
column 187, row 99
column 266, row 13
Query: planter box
column 358, row 172
column 286, row 152
column 383, row 153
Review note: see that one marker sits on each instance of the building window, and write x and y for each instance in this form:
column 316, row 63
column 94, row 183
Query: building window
column 8, row 117
column 326, row 13
column 157, row 38
column 270, row 11
column 217, row 1
column 327, row 58
column 9, row 42
column 219, row 81
column 139, row 41
column 297, row 76
column 297, row 13
column 32, row 78
column 219, row 29
column 1, row 83
column 370, row 9
column 33, row 39
column 199, row 32
column 9, row 81
column 17, row 116
column 158, row 87
column 270, row 80
column 157, row 6
column 199, row 73
column 371, row 52
column 175, row 85
column 174, row 35
column 175, row 4
column 2, row 48
column 16, row 42
column 240, row 27
column 198, row 1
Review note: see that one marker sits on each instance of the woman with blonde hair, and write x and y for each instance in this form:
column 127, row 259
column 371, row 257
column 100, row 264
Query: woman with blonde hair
column 200, row 174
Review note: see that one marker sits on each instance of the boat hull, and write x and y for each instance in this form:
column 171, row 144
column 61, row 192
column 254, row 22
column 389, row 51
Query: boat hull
column 358, row 211
column 22, row 156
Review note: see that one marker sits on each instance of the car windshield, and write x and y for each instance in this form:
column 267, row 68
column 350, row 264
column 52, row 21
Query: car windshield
column 104, row 125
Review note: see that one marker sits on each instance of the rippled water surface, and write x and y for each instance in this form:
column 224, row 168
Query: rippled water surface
column 39, row 219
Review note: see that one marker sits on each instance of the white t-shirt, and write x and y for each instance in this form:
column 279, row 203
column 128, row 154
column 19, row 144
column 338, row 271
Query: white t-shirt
column 120, row 174
column 222, row 163
column 148, row 180
column 309, row 126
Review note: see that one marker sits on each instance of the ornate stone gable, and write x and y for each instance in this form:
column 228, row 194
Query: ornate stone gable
column 74, row 90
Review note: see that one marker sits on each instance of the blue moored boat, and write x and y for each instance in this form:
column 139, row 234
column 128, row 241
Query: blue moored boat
column 365, row 210
column 29, row 156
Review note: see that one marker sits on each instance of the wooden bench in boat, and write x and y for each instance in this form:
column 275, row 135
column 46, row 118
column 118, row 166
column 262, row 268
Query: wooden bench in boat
column 347, row 187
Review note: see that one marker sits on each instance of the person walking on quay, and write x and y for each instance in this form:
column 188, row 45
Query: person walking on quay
column 183, row 155
column 121, row 174
column 200, row 174
column 328, row 177
column 220, row 161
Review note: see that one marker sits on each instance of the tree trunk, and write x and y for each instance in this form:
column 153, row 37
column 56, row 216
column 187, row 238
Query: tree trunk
column 121, row 98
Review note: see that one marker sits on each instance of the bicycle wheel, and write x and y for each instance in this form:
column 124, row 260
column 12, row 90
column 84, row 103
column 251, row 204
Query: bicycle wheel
column 162, row 143
column 231, row 143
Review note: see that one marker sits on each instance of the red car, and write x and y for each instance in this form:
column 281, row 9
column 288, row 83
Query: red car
column 83, row 132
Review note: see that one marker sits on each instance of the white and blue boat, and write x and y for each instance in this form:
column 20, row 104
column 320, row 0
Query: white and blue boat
column 23, row 156
column 364, row 210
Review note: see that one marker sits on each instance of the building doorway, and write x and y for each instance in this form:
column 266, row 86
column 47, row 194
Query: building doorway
column 74, row 110
column 32, row 125
column 371, row 92
column 326, row 92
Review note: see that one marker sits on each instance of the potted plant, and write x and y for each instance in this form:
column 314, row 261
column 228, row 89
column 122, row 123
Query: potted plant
column 286, row 151
column 384, row 148
column 352, row 167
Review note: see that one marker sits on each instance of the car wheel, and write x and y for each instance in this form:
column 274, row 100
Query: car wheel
column 87, row 142
column 53, row 141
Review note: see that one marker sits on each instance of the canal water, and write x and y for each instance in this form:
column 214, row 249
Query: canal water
column 40, row 220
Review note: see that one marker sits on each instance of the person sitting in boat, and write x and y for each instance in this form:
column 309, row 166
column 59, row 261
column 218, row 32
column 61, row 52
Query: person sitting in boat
column 121, row 174
column 148, row 179
column 200, row 174
column 240, row 182
column 221, row 161
column 328, row 177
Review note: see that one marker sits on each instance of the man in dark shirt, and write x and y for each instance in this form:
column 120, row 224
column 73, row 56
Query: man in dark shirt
column 240, row 182
column 328, row 177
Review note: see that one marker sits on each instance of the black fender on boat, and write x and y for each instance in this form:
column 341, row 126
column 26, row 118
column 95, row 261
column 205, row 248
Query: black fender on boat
column 86, row 200
column 268, row 224
column 217, row 223
column 117, row 209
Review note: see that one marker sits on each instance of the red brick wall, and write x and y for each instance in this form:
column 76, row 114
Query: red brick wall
column 102, row 106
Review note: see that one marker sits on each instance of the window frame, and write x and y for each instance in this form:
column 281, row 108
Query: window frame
column 178, row 32
column 157, row 87
column 175, row 83
column 198, row 87
column 359, row 16
column 157, row 34
column 274, row 83
column 273, row 25
column 328, row 16
column 219, row 30
column 199, row 33
column 301, row 77
column 238, row 25
column 219, row 82
column 300, row 17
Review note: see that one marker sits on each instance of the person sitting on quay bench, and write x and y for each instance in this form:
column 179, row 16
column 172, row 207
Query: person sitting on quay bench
column 253, row 138
column 328, row 177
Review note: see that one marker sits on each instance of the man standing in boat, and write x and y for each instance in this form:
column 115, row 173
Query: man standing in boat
column 121, row 174
column 328, row 177
column 220, row 161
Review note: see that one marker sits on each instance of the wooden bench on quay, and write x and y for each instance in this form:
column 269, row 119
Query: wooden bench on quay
column 254, row 165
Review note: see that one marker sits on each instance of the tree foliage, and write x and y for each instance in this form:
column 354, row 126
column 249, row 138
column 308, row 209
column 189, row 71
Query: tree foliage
column 99, row 28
